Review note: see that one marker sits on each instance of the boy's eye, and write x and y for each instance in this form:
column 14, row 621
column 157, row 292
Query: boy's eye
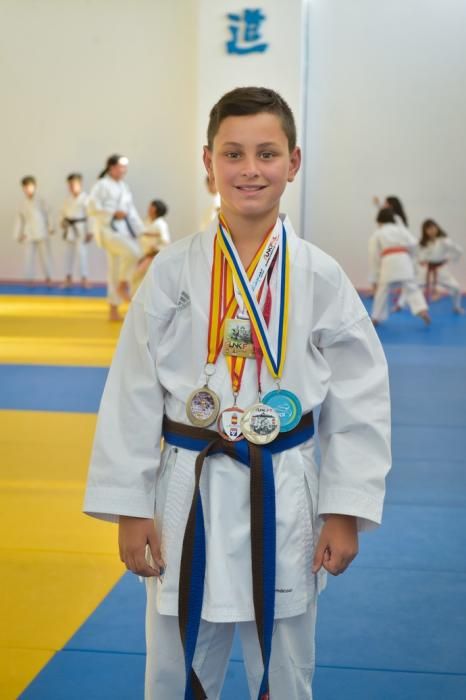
column 233, row 155
column 267, row 155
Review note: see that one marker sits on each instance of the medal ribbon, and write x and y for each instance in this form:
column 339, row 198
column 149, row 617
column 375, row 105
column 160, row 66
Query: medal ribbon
column 275, row 359
column 223, row 303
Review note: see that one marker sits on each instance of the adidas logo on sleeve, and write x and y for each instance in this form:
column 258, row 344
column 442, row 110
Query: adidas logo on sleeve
column 183, row 301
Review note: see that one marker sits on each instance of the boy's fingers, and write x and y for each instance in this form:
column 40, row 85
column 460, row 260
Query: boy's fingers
column 154, row 546
column 336, row 564
column 319, row 556
column 138, row 565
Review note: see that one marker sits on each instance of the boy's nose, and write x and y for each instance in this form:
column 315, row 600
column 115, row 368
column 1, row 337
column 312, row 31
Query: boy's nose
column 250, row 169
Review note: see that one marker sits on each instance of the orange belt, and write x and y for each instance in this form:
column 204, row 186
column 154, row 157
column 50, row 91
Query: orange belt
column 390, row 251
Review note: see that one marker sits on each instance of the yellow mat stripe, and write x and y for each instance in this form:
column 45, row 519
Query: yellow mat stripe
column 56, row 564
column 56, row 330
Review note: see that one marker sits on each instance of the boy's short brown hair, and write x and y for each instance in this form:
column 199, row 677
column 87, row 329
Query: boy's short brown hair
column 28, row 180
column 252, row 100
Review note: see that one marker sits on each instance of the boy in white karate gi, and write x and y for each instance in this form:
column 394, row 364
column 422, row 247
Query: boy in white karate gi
column 33, row 226
column 156, row 237
column 117, row 228
column 169, row 371
column 76, row 230
column 391, row 260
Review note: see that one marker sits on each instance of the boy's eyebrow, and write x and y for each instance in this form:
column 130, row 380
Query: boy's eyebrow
column 259, row 145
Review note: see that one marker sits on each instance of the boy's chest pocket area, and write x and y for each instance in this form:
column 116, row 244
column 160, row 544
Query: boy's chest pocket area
column 183, row 342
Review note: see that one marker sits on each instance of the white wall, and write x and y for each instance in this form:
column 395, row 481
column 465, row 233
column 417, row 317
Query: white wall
column 387, row 115
column 386, row 107
column 278, row 68
column 82, row 80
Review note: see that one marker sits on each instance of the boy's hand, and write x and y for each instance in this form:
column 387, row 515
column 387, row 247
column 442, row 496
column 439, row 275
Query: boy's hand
column 338, row 544
column 133, row 536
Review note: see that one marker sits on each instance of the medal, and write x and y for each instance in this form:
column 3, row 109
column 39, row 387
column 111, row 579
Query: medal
column 229, row 424
column 260, row 424
column 288, row 407
column 202, row 407
column 238, row 338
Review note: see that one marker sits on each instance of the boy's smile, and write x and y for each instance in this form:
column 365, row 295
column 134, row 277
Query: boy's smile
column 251, row 164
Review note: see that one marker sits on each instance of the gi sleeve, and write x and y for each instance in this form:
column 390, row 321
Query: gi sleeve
column 48, row 216
column 454, row 251
column 100, row 202
column 18, row 230
column 126, row 452
column 354, row 425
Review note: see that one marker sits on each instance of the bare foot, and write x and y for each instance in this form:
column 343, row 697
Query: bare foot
column 459, row 310
column 113, row 314
column 396, row 309
column 85, row 283
column 425, row 317
column 123, row 291
column 66, row 284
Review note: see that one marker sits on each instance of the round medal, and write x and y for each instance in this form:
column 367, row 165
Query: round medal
column 288, row 407
column 202, row 407
column 260, row 424
column 229, row 424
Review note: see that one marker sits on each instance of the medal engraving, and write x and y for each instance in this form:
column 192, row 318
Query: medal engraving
column 229, row 424
column 202, row 407
column 260, row 424
column 288, row 407
column 238, row 338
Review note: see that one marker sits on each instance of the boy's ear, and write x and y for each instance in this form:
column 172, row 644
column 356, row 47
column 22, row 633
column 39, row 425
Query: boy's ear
column 207, row 158
column 295, row 164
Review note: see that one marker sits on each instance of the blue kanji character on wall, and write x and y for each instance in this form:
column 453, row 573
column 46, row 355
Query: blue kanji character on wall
column 245, row 32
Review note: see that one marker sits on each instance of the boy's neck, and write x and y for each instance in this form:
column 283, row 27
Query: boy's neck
column 248, row 232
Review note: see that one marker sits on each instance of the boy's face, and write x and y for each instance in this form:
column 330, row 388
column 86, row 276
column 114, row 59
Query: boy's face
column 29, row 189
column 250, row 164
column 74, row 187
column 152, row 212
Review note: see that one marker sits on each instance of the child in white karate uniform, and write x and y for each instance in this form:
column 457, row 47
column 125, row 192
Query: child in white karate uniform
column 76, row 230
column 33, row 226
column 117, row 229
column 391, row 251
column 155, row 237
column 436, row 252
column 267, row 523
column 395, row 204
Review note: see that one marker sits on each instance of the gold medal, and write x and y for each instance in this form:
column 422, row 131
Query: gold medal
column 238, row 338
column 260, row 424
column 229, row 424
column 202, row 407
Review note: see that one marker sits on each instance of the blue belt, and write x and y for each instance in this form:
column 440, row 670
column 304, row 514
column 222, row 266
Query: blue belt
column 263, row 536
